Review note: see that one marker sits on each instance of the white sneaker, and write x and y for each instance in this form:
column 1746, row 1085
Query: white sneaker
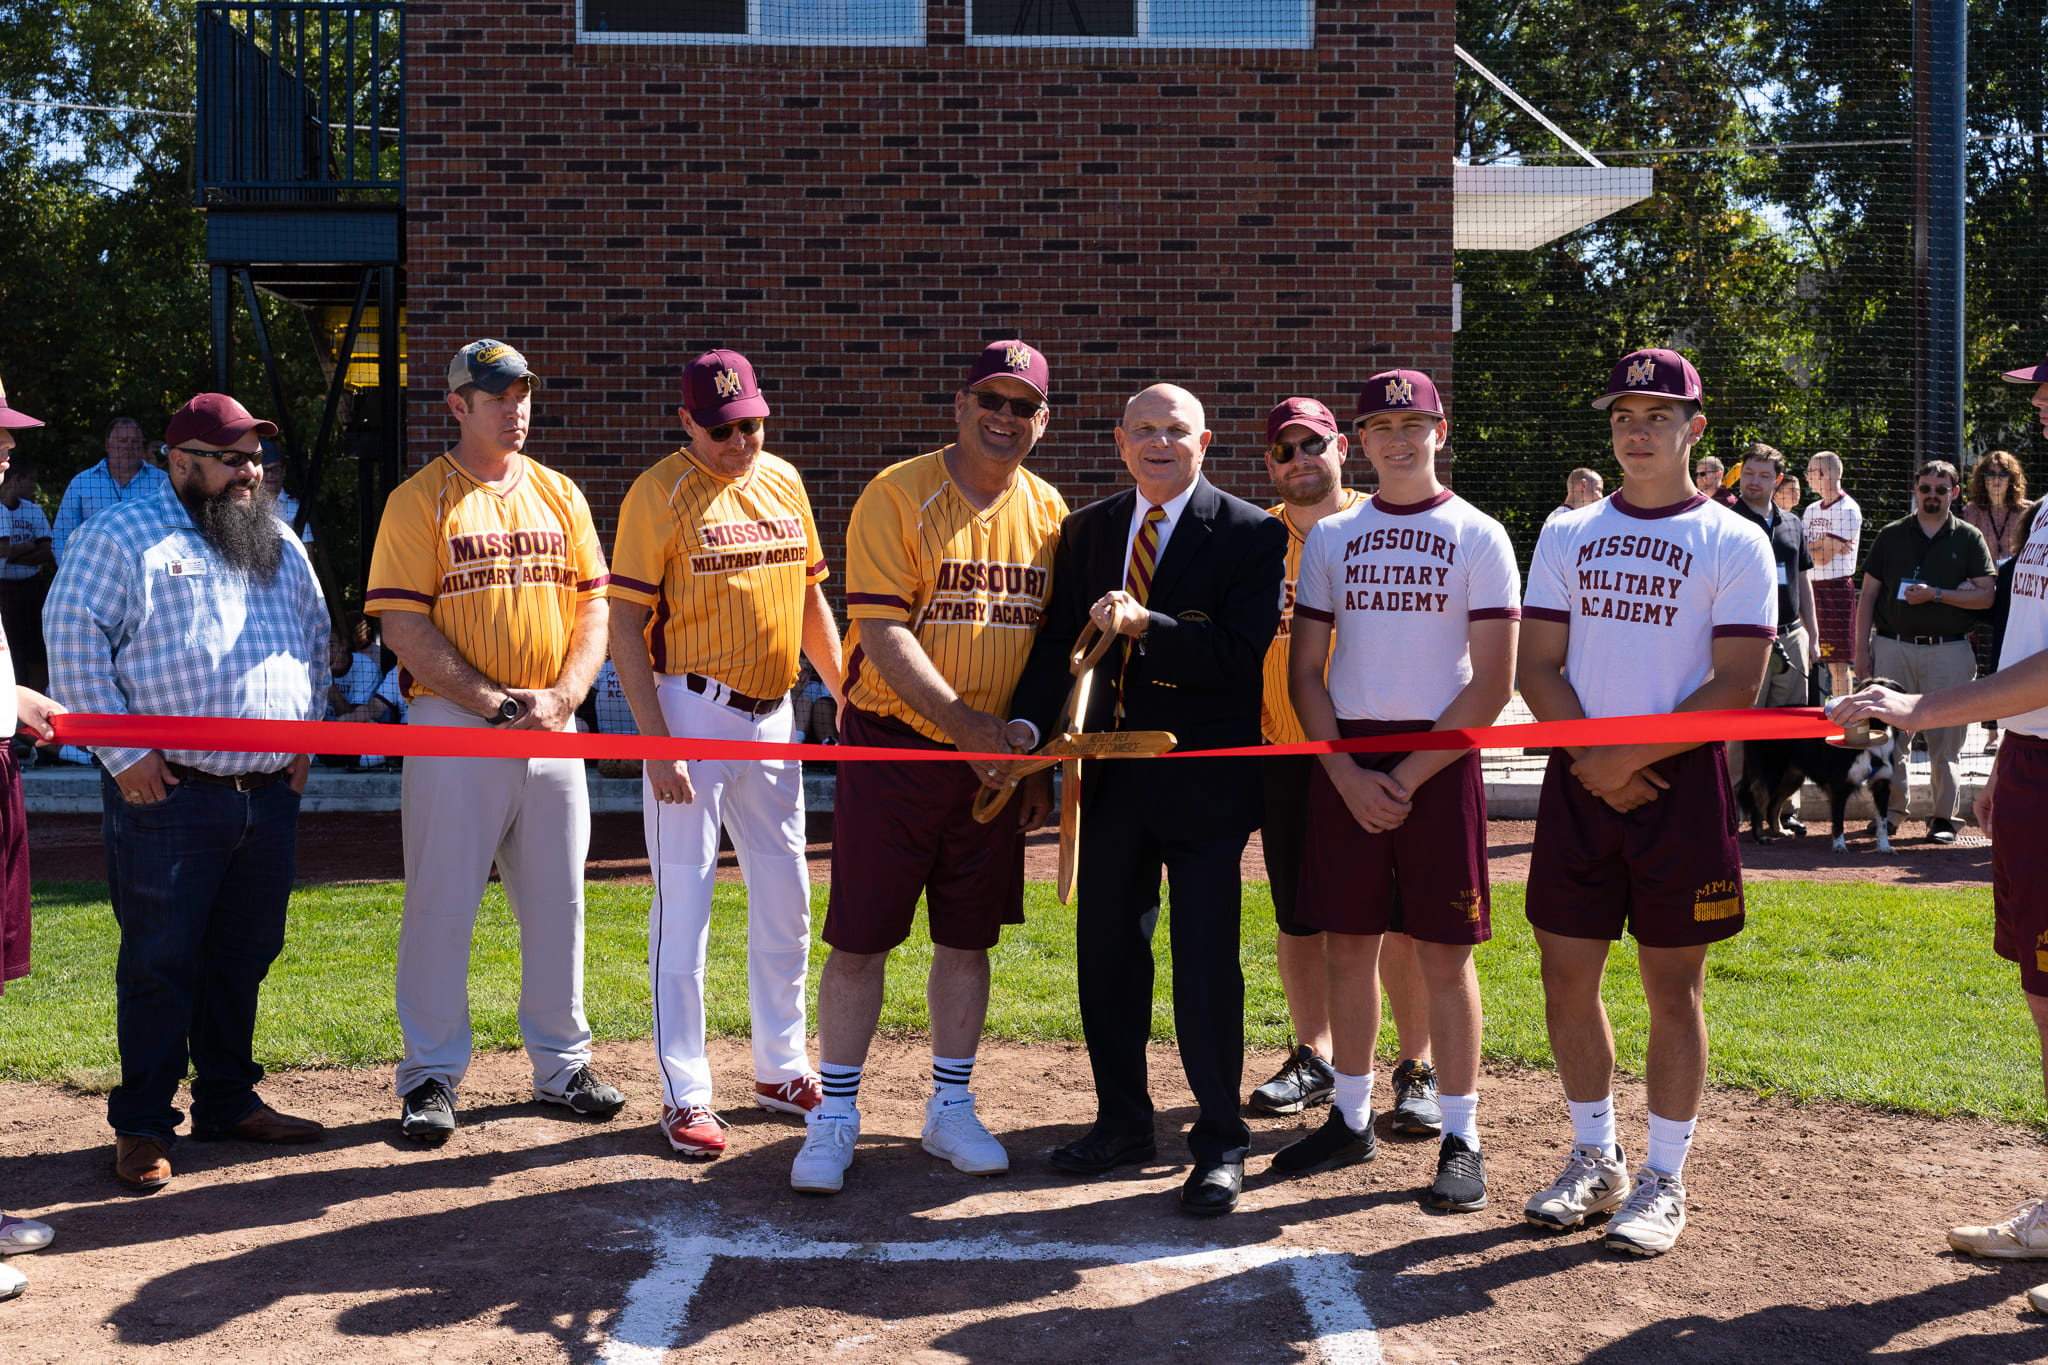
column 12, row 1282
column 2021, row 1235
column 820, row 1167
column 952, row 1131
column 1591, row 1182
column 22, row 1234
column 1649, row 1223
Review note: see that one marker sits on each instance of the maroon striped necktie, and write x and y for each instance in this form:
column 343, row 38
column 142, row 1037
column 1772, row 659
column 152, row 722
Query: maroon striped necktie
column 1138, row 583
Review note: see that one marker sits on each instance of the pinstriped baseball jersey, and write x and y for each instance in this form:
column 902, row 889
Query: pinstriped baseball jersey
column 725, row 565
column 971, row 585
column 499, row 574
column 1276, row 712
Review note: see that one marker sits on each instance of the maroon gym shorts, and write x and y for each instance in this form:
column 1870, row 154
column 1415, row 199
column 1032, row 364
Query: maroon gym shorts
column 1834, row 607
column 901, row 829
column 2019, row 859
column 14, row 910
column 1669, row 872
column 1426, row 879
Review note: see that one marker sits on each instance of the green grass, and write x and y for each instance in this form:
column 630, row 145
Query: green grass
column 1874, row 994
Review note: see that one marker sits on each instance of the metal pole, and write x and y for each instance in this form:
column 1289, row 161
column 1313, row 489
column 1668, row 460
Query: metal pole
column 1940, row 132
column 223, row 331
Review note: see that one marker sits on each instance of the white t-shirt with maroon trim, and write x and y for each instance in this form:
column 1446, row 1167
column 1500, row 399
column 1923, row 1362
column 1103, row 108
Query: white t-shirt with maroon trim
column 2026, row 625
column 1645, row 595
column 1842, row 518
column 1399, row 583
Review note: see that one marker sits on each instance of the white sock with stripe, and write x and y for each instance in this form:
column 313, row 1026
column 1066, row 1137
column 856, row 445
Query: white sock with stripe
column 842, row 1089
column 951, row 1076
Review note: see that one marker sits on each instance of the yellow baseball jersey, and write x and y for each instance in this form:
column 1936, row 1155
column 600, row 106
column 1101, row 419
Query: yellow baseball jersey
column 499, row 574
column 725, row 565
column 971, row 585
column 1276, row 715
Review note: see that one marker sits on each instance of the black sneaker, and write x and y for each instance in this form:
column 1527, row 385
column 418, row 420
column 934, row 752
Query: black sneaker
column 1334, row 1141
column 1941, row 831
column 429, row 1114
column 586, row 1094
column 1460, row 1177
column 1415, row 1107
column 1302, row 1080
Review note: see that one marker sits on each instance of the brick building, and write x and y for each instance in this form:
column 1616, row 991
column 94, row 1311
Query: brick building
column 1250, row 221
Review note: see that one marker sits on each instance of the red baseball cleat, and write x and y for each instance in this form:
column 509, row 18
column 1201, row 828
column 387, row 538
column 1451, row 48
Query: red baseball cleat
column 694, row 1130
column 799, row 1096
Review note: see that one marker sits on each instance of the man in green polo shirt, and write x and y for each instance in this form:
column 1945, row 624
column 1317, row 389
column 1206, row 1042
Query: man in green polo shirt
column 1924, row 581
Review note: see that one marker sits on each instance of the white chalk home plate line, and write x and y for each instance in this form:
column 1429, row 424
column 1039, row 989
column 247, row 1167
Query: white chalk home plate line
column 657, row 1307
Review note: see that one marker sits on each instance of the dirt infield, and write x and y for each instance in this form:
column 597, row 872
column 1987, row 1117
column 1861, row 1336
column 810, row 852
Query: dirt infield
column 536, row 1236
column 351, row 847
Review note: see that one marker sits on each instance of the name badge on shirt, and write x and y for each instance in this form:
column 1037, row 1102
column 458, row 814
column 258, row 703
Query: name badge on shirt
column 1907, row 583
column 185, row 568
column 1783, row 576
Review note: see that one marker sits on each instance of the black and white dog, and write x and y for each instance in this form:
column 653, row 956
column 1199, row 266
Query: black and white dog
column 1774, row 769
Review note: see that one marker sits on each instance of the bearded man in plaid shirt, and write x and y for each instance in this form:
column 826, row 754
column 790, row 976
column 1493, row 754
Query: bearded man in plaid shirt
column 194, row 601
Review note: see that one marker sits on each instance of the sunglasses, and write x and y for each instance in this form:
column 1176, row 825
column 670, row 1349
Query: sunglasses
column 233, row 459
column 1988, row 477
column 1027, row 408
column 1929, row 488
column 745, row 426
column 1283, row 452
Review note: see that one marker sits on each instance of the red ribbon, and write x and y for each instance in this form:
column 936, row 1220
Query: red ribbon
column 455, row 741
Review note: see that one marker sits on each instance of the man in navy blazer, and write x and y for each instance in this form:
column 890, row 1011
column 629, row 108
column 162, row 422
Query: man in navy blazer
column 1192, row 578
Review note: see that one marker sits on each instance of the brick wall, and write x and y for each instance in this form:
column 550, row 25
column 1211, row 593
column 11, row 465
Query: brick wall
column 859, row 222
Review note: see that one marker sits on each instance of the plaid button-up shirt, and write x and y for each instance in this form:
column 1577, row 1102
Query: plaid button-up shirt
column 146, row 618
column 94, row 491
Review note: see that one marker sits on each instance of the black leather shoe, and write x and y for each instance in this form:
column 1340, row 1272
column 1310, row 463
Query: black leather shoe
column 1212, row 1189
column 1096, row 1151
column 1333, row 1141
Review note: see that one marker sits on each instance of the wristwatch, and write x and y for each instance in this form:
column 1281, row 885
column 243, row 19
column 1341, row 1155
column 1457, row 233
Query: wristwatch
column 1937, row 594
column 507, row 712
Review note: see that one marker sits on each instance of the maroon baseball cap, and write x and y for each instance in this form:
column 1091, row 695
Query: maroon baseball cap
column 1017, row 359
column 719, row 386
column 1399, row 391
column 1302, row 412
column 1657, row 372
column 14, row 417
column 216, row 420
column 2036, row 374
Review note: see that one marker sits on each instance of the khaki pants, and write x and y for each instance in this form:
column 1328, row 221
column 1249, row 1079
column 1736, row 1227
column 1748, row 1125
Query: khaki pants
column 1928, row 668
column 1782, row 686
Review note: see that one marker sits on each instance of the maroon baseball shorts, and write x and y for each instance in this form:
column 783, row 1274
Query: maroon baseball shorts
column 2019, row 860
column 1834, row 607
column 1669, row 872
column 1426, row 879
column 14, row 901
column 904, row 829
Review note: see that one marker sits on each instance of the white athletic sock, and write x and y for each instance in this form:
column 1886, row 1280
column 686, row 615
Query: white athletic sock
column 842, row 1089
column 951, row 1074
column 1670, row 1140
column 1461, row 1116
column 1353, row 1100
column 1593, row 1123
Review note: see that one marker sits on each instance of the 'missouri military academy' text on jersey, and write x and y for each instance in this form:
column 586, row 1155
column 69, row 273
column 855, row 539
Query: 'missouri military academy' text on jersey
column 1401, row 584
column 725, row 564
column 2026, row 627
column 499, row 573
column 1841, row 518
column 971, row 585
column 1645, row 594
column 1277, row 720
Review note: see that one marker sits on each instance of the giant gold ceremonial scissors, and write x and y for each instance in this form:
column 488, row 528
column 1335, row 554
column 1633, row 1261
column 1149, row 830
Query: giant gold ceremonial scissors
column 1068, row 748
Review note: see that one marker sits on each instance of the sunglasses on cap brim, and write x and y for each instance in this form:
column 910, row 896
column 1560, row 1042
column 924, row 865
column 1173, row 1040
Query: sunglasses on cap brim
column 1283, row 452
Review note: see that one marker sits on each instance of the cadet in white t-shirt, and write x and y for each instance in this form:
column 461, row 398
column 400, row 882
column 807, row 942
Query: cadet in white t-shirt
column 1657, row 600
column 2016, row 696
column 1420, row 590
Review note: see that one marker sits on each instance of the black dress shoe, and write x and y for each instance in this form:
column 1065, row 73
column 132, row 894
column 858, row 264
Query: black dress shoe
column 1334, row 1141
column 1212, row 1189
column 1096, row 1151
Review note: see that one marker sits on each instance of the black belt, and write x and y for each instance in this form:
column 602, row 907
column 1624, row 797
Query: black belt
column 753, row 706
column 241, row 782
column 1923, row 639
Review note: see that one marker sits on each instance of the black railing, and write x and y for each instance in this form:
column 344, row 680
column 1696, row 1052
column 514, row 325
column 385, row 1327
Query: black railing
column 301, row 102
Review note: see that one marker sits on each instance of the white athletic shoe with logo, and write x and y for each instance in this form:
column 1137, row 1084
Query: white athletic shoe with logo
column 2021, row 1235
column 1649, row 1223
column 1592, row 1181
column 952, row 1131
column 12, row 1282
column 820, row 1166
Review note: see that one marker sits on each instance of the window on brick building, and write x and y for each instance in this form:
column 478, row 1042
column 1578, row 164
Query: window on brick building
column 1142, row 23
column 860, row 22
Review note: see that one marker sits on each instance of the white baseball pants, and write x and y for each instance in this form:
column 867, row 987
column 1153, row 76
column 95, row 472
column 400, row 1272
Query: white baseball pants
column 532, row 818
column 761, row 804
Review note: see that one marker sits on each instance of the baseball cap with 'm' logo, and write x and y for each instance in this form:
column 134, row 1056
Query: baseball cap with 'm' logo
column 1399, row 391
column 719, row 387
column 1655, row 372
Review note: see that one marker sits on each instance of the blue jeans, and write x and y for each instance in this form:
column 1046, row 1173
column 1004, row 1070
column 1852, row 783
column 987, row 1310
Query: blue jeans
column 200, row 882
